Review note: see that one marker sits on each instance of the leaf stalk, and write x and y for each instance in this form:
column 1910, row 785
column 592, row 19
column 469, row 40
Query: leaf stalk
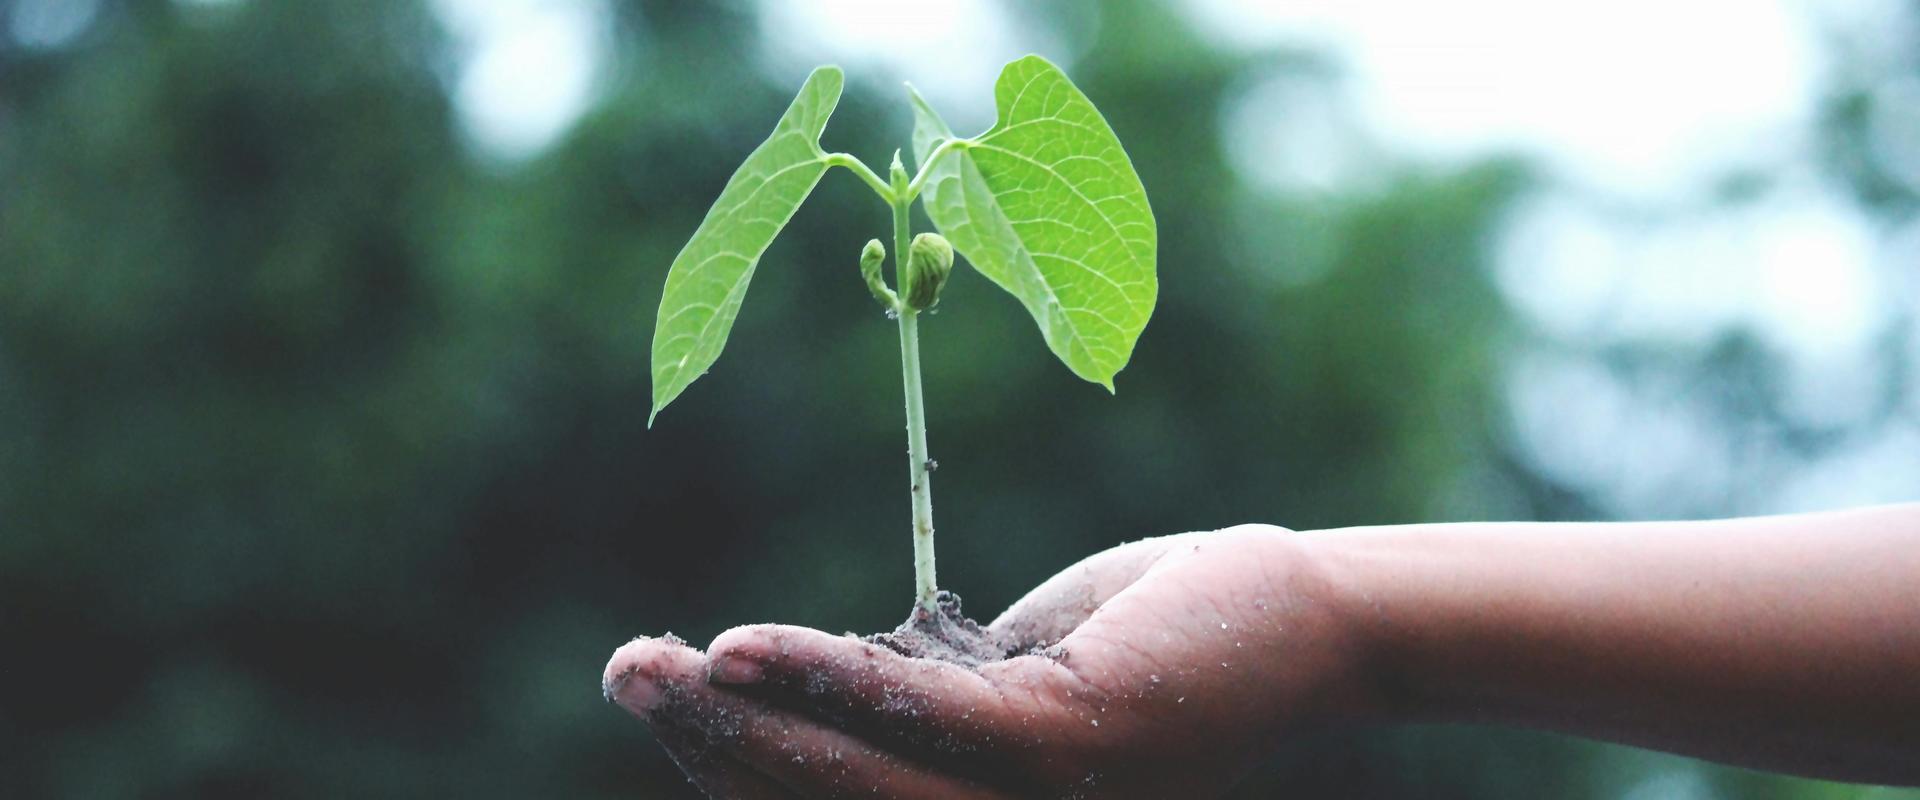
column 858, row 167
column 926, row 167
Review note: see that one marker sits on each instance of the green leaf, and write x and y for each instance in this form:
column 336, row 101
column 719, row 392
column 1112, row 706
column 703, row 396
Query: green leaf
column 1047, row 205
column 709, row 278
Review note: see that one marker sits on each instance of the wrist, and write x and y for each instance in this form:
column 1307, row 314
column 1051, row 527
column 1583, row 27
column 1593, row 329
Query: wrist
column 1322, row 651
column 1366, row 585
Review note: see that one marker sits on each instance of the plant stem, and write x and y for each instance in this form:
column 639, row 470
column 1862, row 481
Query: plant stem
column 921, row 482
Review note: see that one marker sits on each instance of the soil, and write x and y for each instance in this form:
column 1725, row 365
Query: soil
column 945, row 635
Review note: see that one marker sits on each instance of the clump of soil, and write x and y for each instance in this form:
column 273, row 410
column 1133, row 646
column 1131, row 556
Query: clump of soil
column 944, row 635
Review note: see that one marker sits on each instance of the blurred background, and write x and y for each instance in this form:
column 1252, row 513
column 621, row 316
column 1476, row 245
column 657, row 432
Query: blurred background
column 324, row 333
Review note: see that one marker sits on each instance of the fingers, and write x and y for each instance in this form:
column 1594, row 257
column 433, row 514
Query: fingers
column 733, row 746
column 716, row 773
column 633, row 679
column 818, row 761
column 951, row 715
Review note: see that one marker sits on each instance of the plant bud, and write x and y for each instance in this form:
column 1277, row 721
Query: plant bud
column 929, row 262
column 871, row 257
column 897, row 172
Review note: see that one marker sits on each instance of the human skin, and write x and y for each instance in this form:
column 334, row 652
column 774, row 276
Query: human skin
column 1787, row 643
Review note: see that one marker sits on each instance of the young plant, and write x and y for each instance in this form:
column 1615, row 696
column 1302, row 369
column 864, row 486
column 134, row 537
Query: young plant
column 1045, row 204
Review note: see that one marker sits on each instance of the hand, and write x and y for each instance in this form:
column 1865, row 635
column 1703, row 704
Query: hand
column 1159, row 667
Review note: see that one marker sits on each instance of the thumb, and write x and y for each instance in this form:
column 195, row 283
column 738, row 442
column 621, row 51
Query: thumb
column 1063, row 602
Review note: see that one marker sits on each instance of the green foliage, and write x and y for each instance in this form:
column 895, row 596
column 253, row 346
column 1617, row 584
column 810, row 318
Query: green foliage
column 1047, row 205
column 709, row 278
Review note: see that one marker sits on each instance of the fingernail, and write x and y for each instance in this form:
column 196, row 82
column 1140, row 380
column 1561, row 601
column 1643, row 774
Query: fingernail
column 733, row 669
column 631, row 690
column 637, row 694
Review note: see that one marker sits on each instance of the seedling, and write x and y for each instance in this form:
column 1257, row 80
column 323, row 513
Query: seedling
column 1045, row 204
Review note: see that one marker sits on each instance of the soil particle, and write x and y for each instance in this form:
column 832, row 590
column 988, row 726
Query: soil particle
column 945, row 635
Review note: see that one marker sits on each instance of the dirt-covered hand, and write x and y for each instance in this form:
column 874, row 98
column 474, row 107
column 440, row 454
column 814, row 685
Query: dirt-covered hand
column 738, row 748
column 1162, row 666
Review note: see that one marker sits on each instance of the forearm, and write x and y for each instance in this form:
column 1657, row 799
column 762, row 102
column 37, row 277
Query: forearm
column 1785, row 643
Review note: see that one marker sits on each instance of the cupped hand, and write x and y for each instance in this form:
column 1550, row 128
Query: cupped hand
column 1162, row 666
